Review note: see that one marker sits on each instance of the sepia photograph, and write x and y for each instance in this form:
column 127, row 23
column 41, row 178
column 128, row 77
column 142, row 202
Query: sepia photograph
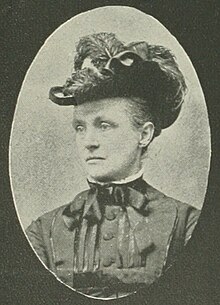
column 111, row 155
column 109, row 130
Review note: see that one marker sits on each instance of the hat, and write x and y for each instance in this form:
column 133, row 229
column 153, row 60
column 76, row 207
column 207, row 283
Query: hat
column 104, row 67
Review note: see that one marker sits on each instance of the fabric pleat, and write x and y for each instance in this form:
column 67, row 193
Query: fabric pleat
column 88, row 235
column 90, row 248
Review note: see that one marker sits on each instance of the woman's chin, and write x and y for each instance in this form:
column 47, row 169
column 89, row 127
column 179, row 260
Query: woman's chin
column 100, row 176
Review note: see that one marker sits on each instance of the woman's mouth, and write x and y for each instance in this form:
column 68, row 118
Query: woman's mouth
column 94, row 159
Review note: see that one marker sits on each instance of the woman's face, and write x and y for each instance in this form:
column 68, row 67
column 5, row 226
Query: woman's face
column 107, row 142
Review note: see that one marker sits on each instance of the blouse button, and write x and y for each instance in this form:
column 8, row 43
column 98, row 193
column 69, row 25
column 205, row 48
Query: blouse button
column 58, row 263
column 107, row 261
column 111, row 214
column 108, row 236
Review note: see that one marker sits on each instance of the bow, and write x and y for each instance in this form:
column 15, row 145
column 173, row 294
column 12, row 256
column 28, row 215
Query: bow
column 121, row 61
column 133, row 237
column 90, row 204
column 119, row 195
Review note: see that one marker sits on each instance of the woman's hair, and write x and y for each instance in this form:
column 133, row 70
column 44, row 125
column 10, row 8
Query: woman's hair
column 140, row 114
column 105, row 67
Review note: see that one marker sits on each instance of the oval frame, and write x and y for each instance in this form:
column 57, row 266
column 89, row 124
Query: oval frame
column 64, row 114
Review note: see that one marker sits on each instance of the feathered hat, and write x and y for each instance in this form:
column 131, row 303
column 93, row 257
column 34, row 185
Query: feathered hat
column 104, row 67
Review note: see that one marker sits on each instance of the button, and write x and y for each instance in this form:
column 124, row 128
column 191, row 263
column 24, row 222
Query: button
column 111, row 213
column 107, row 261
column 108, row 235
column 58, row 263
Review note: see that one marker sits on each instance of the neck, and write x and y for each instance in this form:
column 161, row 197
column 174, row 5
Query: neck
column 121, row 181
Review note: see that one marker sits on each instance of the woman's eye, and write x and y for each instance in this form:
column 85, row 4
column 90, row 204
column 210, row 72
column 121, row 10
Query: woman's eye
column 105, row 126
column 80, row 128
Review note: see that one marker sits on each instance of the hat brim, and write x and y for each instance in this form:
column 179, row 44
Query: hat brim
column 56, row 95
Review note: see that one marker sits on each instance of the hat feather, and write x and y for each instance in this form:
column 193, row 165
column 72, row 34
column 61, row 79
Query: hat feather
column 98, row 47
column 157, row 79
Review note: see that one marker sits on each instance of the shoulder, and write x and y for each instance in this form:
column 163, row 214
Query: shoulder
column 162, row 204
column 157, row 197
column 47, row 218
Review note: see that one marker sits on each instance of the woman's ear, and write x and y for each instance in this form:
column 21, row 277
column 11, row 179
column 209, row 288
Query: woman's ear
column 147, row 134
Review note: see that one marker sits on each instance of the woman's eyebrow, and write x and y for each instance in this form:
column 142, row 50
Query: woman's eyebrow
column 102, row 118
column 76, row 122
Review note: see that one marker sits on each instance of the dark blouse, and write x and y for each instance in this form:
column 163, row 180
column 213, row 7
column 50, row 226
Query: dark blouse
column 110, row 241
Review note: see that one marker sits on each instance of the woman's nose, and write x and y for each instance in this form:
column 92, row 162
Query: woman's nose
column 91, row 140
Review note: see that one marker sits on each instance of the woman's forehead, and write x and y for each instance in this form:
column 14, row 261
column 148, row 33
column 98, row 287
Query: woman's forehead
column 111, row 107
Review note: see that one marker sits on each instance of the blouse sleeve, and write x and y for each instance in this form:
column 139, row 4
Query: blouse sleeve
column 35, row 236
column 186, row 222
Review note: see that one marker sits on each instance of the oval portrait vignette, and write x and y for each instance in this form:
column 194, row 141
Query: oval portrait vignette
column 110, row 152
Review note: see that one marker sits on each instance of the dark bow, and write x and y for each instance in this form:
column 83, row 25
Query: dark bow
column 89, row 209
column 91, row 205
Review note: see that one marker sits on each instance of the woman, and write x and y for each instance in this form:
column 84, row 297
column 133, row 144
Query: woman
column 120, row 234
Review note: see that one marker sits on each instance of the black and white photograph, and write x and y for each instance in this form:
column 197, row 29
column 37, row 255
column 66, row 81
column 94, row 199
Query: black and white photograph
column 110, row 153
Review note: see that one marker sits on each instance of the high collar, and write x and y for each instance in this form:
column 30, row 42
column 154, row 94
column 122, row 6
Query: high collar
column 128, row 179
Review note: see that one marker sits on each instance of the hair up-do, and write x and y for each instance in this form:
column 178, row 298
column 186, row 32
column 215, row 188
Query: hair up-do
column 105, row 67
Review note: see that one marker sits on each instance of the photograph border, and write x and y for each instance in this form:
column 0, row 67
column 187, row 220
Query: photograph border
column 25, row 27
